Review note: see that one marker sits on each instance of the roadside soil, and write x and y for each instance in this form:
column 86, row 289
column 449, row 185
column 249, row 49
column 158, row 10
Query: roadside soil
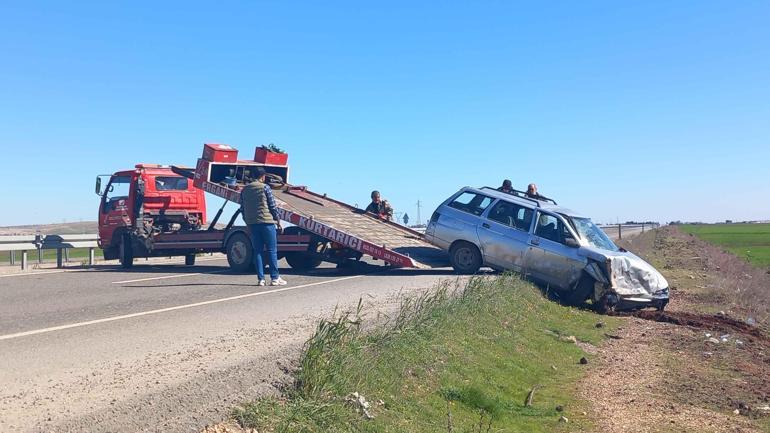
column 703, row 365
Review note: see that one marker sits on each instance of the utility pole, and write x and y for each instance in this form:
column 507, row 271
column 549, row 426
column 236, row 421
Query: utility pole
column 419, row 218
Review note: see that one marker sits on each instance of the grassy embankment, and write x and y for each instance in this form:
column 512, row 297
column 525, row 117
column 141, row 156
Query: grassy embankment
column 453, row 360
column 750, row 241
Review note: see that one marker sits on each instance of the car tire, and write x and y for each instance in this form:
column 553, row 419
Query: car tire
column 240, row 252
column 189, row 260
column 126, row 252
column 465, row 258
column 581, row 292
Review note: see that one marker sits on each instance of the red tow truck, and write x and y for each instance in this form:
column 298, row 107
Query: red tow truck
column 160, row 211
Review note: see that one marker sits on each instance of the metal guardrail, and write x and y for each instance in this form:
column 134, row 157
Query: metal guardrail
column 60, row 243
column 19, row 243
column 621, row 227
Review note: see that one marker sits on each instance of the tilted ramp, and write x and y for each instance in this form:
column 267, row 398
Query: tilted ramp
column 355, row 229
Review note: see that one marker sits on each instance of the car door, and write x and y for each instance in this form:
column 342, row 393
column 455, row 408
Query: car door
column 549, row 259
column 504, row 234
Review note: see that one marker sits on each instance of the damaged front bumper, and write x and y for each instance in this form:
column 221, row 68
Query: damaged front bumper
column 627, row 282
column 657, row 300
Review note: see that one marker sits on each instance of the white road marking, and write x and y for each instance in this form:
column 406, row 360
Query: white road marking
column 170, row 276
column 96, row 269
column 165, row 310
column 33, row 273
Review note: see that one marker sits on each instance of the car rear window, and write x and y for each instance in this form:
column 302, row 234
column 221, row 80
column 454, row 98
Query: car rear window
column 471, row 202
column 171, row 183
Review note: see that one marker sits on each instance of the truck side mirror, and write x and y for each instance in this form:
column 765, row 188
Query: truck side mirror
column 98, row 185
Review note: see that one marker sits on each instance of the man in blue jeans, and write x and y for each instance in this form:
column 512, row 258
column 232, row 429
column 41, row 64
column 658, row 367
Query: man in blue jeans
column 261, row 215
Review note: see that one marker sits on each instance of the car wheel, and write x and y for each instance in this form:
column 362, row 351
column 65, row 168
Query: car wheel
column 607, row 304
column 465, row 258
column 240, row 252
column 581, row 292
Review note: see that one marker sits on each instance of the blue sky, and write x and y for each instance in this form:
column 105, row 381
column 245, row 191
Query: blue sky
column 628, row 110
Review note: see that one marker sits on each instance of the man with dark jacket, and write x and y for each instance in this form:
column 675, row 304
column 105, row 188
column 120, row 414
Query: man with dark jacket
column 506, row 187
column 380, row 207
column 261, row 215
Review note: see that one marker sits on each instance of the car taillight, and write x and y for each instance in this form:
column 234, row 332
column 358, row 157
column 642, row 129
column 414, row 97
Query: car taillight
column 434, row 217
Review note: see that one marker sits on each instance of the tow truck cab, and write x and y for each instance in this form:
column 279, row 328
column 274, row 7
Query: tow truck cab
column 166, row 201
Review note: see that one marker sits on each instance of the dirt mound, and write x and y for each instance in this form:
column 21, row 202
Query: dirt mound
column 703, row 321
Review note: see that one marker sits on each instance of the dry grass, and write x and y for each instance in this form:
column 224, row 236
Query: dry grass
column 729, row 280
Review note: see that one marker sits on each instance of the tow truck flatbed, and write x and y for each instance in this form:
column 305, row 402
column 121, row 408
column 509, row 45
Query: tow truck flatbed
column 347, row 231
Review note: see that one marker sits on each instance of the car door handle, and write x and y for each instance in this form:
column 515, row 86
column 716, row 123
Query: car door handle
column 534, row 241
column 485, row 225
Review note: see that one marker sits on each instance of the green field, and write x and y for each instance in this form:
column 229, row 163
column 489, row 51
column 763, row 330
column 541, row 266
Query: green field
column 75, row 255
column 750, row 241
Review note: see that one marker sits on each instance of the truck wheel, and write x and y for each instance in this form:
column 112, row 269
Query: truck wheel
column 126, row 252
column 240, row 253
column 300, row 260
column 303, row 261
column 465, row 258
column 189, row 259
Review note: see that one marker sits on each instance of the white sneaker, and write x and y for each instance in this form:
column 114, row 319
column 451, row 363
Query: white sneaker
column 278, row 282
column 261, row 283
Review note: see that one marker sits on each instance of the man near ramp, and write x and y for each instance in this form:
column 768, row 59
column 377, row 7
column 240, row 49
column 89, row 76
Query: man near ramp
column 261, row 215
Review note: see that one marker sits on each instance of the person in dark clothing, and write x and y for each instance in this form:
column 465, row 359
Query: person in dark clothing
column 261, row 215
column 380, row 207
column 532, row 192
column 506, row 187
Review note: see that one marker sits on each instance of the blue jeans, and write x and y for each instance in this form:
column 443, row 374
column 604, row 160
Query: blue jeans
column 262, row 236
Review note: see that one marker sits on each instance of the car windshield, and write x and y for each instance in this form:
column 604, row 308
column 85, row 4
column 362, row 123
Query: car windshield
column 593, row 235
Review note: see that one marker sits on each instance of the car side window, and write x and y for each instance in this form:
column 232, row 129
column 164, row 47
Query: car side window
column 512, row 215
column 549, row 227
column 472, row 203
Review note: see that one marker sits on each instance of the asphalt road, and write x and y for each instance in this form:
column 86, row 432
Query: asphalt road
column 165, row 347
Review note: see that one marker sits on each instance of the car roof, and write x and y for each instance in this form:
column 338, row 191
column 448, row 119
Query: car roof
column 526, row 201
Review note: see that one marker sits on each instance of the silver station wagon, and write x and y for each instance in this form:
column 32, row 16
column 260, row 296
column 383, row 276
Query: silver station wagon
column 556, row 247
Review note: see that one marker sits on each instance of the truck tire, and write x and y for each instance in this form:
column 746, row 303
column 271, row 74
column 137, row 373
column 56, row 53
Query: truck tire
column 240, row 252
column 189, row 260
column 465, row 258
column 126, row 252
column 302, row 260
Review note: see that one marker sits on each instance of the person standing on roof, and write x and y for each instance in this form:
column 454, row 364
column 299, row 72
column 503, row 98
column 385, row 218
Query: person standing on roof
column 532, row 193
column 261, row 215
column 380, row 207
column 506, row 187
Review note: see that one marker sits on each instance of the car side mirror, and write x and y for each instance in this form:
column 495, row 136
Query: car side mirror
column 98, row 185
column 571, row 242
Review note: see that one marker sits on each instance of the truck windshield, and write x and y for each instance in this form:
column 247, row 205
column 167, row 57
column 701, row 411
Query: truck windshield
column 592, row 234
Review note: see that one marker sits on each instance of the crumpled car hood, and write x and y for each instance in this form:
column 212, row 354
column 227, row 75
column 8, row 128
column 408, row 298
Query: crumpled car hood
column 629, row 274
